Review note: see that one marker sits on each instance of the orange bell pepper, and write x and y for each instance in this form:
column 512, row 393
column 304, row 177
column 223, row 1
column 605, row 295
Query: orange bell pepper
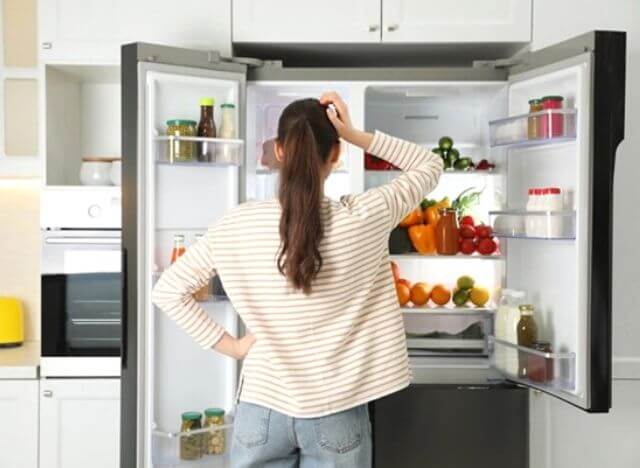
column 431, row 215
column 415, row 217
column 423, row 238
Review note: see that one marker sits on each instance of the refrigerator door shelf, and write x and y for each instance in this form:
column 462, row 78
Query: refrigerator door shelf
column 542, row 371
column 223, row 152
column 459, row 256
column 166, row 446
column 523, row 224
column 534, row 129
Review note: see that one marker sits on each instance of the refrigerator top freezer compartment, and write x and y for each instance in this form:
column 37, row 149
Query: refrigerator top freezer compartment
column 533, row 129
column 523, row 224
column 537, row 369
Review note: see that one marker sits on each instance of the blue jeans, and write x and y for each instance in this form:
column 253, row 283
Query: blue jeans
column 265, row 438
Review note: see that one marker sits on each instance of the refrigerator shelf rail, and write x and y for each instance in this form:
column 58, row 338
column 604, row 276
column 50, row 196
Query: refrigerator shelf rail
column 543, row 371
column 458, row 256
column 534, row 129
column 447, row 311
column 166, row 447
column 523, row 224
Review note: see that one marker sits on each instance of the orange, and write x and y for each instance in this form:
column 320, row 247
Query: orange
column 406, row 282
column 403, row 292
column 420, row 293
column 440, row 294
column 395, row 269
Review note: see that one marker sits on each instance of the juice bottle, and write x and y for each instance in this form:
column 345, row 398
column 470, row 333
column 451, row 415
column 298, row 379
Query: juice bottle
column 447, row 232
column 178, row 247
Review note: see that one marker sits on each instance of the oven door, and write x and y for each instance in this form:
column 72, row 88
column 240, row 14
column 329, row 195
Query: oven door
column 81, row 293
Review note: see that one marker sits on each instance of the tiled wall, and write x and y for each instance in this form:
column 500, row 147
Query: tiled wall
column 19, row 198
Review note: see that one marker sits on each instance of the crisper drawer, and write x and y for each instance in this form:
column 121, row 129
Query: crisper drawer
column 207, row 447
column 447, row 330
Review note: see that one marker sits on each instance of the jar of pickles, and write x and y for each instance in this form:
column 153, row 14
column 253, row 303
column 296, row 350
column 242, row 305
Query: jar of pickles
column 180, row 150
column 214, row 439
column 191, row 446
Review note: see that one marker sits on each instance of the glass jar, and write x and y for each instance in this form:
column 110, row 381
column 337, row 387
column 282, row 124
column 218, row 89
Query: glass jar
column 191, row 446
column 447, row 232
column 527, row 335
column 214, row 440
column 227, row 152
column 540, row 368
column 552, row 125
column 533, row 122
column 204, row 292
column 180, row 150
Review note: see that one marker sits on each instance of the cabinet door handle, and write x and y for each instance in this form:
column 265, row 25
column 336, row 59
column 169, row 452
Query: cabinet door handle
column 392, row 27
column 47, row 45
column 47, row 393
column 373, row 27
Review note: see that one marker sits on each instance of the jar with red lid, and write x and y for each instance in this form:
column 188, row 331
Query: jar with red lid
column 552, row 125
column 540, row 364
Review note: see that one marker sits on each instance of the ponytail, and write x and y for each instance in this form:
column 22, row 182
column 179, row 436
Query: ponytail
column 300, row 194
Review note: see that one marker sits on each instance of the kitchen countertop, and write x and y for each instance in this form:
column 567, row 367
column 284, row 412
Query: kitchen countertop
column 21, row 362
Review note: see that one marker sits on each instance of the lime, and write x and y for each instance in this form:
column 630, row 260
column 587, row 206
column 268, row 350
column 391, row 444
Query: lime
column 466, row 282
column 445, row 143
column 460, row 297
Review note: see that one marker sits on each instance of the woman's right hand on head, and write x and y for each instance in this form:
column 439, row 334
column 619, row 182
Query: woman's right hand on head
column 339, row 116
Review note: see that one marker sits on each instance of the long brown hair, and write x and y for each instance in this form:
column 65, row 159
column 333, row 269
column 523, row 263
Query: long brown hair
column 307, row 138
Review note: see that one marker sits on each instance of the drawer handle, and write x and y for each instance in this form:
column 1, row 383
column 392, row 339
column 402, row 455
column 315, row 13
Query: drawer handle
column 47, row 393
column 392, row 27
column 47, row 45
column 373, row 27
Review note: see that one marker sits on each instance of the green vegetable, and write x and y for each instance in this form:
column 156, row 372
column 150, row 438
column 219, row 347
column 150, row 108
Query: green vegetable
column 455, row 152
column 427, row 202
column 462, row 164
column 466, row 201
column 450, row 161
column 445, row 143
column 460, row 297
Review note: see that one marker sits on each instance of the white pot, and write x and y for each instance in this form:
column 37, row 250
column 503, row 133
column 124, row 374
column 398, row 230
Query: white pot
column 116, row 172
column 95, row 173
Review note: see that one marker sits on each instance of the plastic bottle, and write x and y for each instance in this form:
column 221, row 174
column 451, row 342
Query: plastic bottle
column 530, row 221
column 554, row 203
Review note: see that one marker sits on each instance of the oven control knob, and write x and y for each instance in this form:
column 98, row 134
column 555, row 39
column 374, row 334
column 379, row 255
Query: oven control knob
column 95, row 211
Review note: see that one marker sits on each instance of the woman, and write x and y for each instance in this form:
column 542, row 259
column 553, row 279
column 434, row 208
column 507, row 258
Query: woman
column 311, row 279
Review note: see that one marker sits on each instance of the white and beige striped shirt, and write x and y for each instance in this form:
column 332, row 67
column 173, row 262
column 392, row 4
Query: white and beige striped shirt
column 343, row 344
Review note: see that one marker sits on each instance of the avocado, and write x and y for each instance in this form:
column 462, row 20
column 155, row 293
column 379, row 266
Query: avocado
column 445, row 143
column 462, row 164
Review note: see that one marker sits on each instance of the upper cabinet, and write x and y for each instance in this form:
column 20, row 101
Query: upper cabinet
column 92, row 31
column 282, row 21
column 362, row 21
column 440, row 21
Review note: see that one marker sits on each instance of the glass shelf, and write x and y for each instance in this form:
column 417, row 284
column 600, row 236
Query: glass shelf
column 544, row 371
column 459, row 256
column 224, row 152
column 166, row 448
column 447, row 310
column 523, row 224
column 445, row 344
column 537, row 128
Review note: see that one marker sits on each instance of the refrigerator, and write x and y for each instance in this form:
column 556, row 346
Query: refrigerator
column 566, row 274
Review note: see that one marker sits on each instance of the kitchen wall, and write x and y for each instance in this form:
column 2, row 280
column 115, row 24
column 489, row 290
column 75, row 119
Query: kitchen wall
column 19, row 198
column 563, row 437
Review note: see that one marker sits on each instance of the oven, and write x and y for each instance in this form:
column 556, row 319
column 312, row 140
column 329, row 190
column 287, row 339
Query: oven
column 81, row 302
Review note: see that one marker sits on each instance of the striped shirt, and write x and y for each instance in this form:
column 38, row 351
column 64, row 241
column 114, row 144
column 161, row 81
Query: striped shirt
column 343, row 344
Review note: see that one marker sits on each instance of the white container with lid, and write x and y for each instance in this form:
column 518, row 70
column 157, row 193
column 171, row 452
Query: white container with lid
column 555, row 225
column 96, row 171
column 530, row 221
column 228, row 153
column 506, row 323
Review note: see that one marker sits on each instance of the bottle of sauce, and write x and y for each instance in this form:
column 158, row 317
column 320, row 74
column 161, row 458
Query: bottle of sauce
column 227, row 152
column 178, row 247
column 447, row 232
column 527, row 335
column 206, row 128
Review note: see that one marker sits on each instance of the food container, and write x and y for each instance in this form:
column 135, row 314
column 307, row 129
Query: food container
column 552, row 125
column 191, row 446
column 95, row 171
column 533, row 122
column 181, row 150
column 228, row 152
column 214, row 440
column 539, row 367
column 116, row 172
column 447, row 232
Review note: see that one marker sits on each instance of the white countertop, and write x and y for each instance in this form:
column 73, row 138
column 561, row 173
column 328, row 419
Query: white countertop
column 21, row 362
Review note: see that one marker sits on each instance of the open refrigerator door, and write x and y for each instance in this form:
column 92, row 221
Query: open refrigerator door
column 176, row 185
column 557, row 221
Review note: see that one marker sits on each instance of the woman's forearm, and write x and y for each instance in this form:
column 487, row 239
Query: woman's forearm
column 359, row 138
column 236, row 348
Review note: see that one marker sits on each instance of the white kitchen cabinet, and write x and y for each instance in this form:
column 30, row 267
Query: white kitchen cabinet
column 19, row 423
column 79, row 423
column 306, row 22
column 437, row 21
column 92, row 31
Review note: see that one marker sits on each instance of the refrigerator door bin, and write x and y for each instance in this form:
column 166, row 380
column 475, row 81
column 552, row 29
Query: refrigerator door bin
column 553, row 371
column 536, row 128
column 166, row 447
column 534, row 224
column 221, row 152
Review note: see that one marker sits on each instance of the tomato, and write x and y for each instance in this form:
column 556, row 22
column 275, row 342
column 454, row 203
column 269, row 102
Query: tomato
column 467, row 221
column 467, row 231
column 484, row 231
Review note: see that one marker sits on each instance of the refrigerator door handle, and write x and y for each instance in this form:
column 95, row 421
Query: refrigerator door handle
column 125, row 312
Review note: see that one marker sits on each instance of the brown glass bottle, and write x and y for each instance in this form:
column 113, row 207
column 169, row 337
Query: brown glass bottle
column 527, row 335
column 206, row 128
